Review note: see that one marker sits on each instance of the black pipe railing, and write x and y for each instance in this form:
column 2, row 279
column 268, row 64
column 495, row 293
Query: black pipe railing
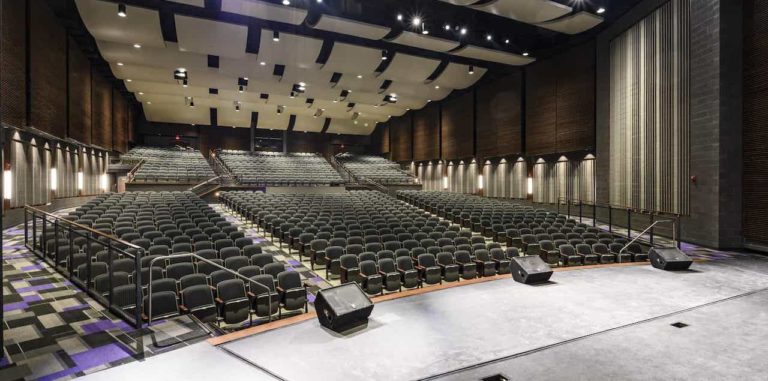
column 44, row 234
column 611, row 215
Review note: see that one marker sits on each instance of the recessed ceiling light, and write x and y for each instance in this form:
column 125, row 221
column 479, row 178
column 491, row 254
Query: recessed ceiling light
column 275, row 36
column 525, row 54
column 141, row 93
column 128, row 80
column 302, row 84
column 181, row 69
column 488, row 37
column 286, row 2
column 137, row 46
column 319, row 1
column 416, row 21
column 121, row 10
column 429, row 100
column 437, row 87
column 359, row 76
column 262, row 63
column 399, row 17
column 149, row 103
column 119, row 64
column 447, row 27
column 463, row 31
column 600, row 10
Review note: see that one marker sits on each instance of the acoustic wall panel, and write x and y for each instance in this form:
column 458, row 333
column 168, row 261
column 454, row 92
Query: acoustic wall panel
column 119, row 122
column 458, row 119
column 79, row 126
column 560, row 103
column 13, row 68
column 755, row 183
column 47, row 70
column 499, row 117
column 649, row 112
column 426, row 133
column 400, row 135
column 101, row 111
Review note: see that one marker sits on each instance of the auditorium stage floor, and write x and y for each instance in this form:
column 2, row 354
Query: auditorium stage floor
column 606, row 323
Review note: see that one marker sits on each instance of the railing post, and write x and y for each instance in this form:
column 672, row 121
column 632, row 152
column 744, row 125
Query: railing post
column 568, row 206
column 26, row 231
column 137, row 265
column 651, row 232
column 580, row 211
column 629, row 224
column 43, row 244
column 679, row 231
column 56, row 245
column 610, row 219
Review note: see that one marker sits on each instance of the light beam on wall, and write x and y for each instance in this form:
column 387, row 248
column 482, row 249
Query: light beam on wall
column 530, row 185
column 104, row 182
column 479, row 181
column 7, row 184
column 80, row 180
column 54, row 179
column 445, row 182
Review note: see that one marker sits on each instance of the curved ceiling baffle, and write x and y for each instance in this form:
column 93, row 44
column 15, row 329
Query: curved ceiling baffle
column 349, row 86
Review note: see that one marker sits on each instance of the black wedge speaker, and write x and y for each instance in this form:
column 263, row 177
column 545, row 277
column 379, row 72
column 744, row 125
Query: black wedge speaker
column 343, row 307
column 669, row 258
column 530, row 269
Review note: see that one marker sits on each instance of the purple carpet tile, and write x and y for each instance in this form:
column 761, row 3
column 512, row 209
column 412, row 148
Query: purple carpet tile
column 36, row 288
column 15, row 306
column 99, row 356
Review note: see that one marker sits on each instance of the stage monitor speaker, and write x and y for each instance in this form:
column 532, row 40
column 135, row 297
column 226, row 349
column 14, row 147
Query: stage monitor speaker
column 669, row 258
column 530, row 269
column 343, row 307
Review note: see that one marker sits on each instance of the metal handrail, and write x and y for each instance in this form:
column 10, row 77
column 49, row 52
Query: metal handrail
column 193, row 255
column 73, row 229
column 565, row 201
column 674, row 239
column 83, row 227
column 132, row 173
column 203, row 183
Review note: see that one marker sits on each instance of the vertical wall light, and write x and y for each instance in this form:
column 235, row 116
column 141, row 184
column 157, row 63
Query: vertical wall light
column 54, row 179
column 530, row 185
column 7, row 184
column 479, row 181
column 445, row 182
column 80, row 180
column 104, row 182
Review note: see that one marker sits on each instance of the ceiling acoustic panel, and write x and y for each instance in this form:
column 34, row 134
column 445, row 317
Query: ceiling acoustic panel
column 458, row 76
column 309, row 123
column 196, row 3
column 164, row 57
column 426, row 42
column 265, row 10
column 408, row 68
column 528, row 11
column 480, row 53
column 102, row 21
column 170, row 113
column 350, row 127
column 353, row 59
column 573, row 24
column 290, row 50
column 351, row 27
column 211, row 37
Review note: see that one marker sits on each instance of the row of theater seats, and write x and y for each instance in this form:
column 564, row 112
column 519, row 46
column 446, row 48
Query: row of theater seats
column 171, row 164
column 557, row 239
column 275, row 168
column 228, row 280
column 375, row 168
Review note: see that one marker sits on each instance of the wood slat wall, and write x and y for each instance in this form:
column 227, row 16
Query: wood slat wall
column 499, row 117
column 79, row 127
column 755, row 98
column 560, row 102
column 47, row 70
column 457, row 127
column 101, row 111
column 426, row 133
column 13, row 67
column 119, row 122
column 649, row 112
column 401, row 142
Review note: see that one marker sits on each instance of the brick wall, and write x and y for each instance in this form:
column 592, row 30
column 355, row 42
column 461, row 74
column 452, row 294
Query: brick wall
column 13, row 68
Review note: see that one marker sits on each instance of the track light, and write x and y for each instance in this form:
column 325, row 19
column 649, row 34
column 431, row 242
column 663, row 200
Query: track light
column 525, row 54
column 600, row 10
column 275, row 36
column 137, row 46
column 471, row 70
column 488, row 37
column 121, row 10
column 447, row 27
column 240, row 89
column 286, row 2
column 120, row 64
column 383, row 55
column 280, row 109
column 399, row 17
column 237, row 106
column 185, row 83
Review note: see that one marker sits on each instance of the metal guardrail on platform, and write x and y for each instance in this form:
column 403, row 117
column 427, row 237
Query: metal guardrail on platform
column 57, row 241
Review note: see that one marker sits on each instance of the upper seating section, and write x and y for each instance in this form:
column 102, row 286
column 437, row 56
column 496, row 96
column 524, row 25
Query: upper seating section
column 375, row 168
column 169, row 165
column 275, row 168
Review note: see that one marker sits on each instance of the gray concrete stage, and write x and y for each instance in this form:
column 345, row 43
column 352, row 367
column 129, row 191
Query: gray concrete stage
column 608, row 323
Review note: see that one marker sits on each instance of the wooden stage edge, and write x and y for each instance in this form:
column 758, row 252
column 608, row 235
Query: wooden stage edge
column 219, row 340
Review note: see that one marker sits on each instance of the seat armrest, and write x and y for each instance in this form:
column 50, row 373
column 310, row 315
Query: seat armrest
column 280, row 289
column 183, row 308
column 218, row 300
column 419, row 267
